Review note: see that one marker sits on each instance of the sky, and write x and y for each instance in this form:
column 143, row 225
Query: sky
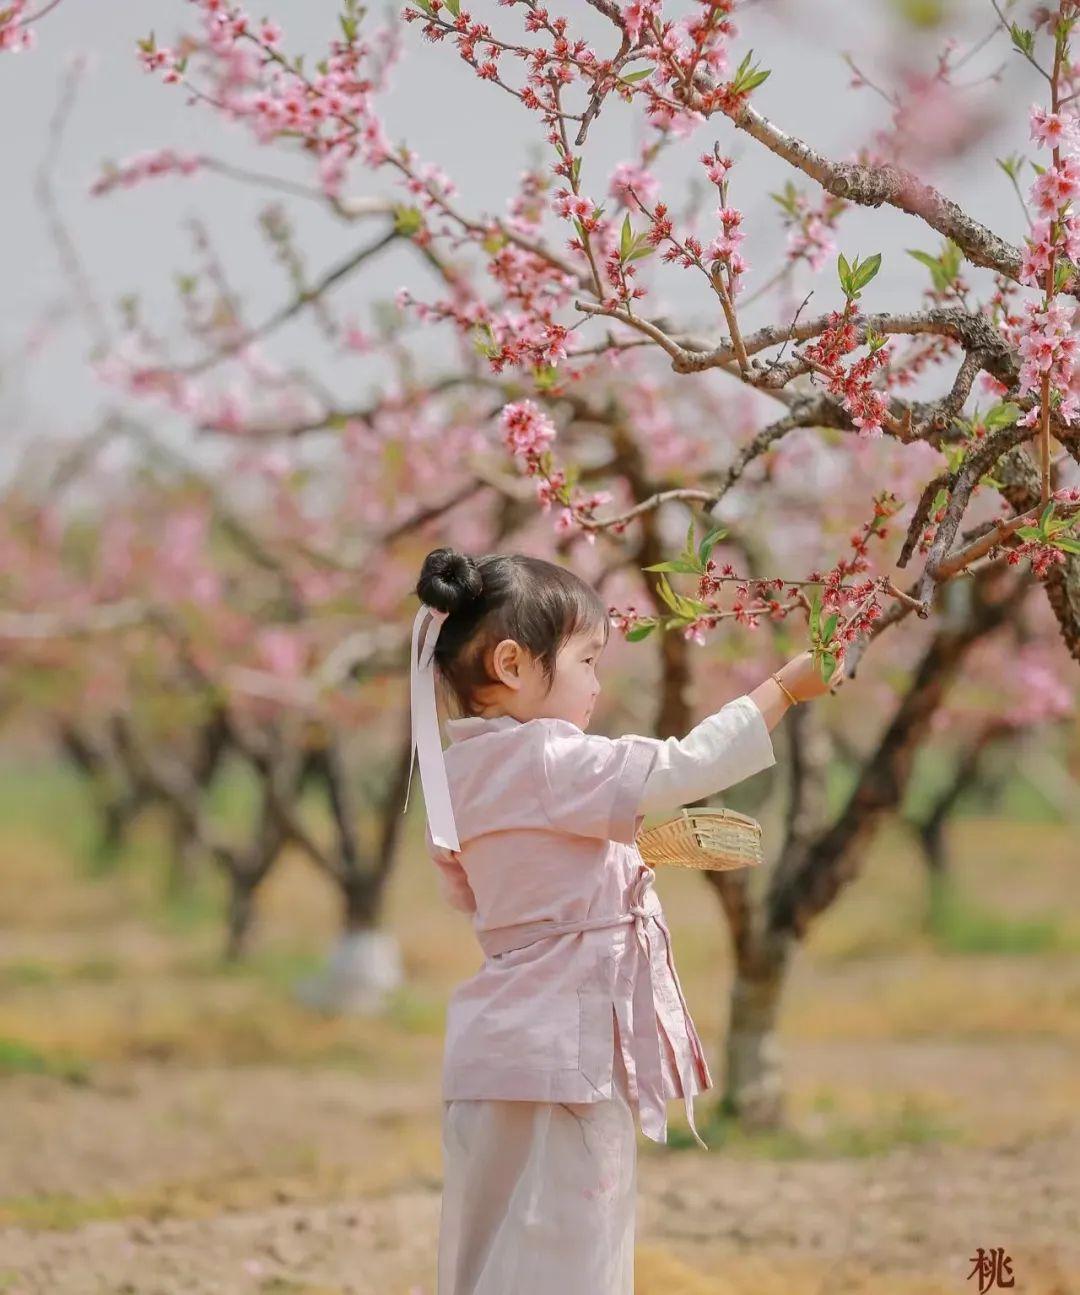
column 132, row 245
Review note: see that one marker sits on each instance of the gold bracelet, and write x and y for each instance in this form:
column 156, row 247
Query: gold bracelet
column 794, row 700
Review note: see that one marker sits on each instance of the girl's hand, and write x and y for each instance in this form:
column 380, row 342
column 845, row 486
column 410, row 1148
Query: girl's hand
column 803, row 679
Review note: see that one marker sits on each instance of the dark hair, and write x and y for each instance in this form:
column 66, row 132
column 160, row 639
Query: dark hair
column 499, row 596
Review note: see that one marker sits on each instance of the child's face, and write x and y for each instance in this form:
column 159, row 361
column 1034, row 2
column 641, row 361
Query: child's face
column 575, row 688
column 524, row 692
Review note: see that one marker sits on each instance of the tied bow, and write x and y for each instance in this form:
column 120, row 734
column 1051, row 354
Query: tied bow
column 425, row 731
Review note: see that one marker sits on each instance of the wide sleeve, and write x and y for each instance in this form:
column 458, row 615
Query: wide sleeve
column 732, row 744
column 453, row 883
column 591, row 785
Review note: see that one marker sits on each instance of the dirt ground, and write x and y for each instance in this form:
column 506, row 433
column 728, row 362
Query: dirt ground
column 167, row 1126
column 211, row 1181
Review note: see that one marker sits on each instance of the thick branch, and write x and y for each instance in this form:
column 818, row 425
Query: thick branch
column 887, row 185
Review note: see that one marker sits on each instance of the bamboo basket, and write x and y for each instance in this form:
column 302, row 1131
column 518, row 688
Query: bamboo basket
column 710, row 838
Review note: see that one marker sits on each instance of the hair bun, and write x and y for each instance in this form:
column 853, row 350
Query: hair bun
column 449, row 580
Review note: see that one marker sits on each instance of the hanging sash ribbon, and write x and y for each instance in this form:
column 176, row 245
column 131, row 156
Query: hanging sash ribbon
column 425, row 731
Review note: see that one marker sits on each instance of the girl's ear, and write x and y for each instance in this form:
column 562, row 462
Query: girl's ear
column 506, row 663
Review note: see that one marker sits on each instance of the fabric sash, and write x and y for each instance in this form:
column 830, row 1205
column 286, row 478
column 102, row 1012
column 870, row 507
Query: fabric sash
column 645, row 1041
column 425, row 731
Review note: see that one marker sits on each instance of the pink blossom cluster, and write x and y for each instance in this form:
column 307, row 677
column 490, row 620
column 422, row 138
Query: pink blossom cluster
column 632, row 185
column 527, row 430
column 329, row 110
column 1049, row 349
column 1044, row 330
column 863, row 402
column 1042, row 556
column 724, row 248
column 1056, row 187
column 638, row 12
column 145, row 166
column 526, row 333
column 810, row 229
column 528, row 433
column 15, row 37
column 1051, row 129
column 1042, row 696
column 1057, row 231
column 1047, row 238
column 624, row 620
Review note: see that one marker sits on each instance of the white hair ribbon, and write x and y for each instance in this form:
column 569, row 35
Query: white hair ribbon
column 425, row 731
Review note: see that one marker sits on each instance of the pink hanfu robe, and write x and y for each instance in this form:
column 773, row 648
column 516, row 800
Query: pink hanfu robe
column 576, row 1021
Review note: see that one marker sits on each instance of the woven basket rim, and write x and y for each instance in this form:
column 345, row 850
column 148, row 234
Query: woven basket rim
column 713, row 837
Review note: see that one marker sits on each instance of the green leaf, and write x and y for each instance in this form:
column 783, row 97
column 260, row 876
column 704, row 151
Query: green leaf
column 747, row 78
column 1067, row 545
column 709, row 542
column 1046, row 514
column 667, row 593
column 639, row 75
column 1002, row 415
column 938, row 274
column 454, row 6
column 866, row 271
column 1029, row 532
column 1022, row 40
column 641, row 630
column 408, row 220
column 678, row 565
column 931, row 262
column 626, row 242
column 754, row 80
column 815, row 614
column 940, row 500
column 788, row 200
column 830, row 627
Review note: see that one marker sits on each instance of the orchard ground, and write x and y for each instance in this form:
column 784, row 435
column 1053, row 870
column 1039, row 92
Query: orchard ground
column 172, row 1126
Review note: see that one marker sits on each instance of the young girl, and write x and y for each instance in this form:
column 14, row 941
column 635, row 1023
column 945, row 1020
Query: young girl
column 576, row 1023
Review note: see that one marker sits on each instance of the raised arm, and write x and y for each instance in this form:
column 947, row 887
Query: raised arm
column 731, row 744
column 726, row 747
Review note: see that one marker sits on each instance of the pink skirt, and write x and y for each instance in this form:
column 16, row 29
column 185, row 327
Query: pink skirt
column 539, row 1198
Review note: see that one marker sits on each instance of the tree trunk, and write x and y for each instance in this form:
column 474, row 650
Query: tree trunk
column 183, row 859
column 753, row 1081
column 241, row 916
column 819, row 858
column 364, row 967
